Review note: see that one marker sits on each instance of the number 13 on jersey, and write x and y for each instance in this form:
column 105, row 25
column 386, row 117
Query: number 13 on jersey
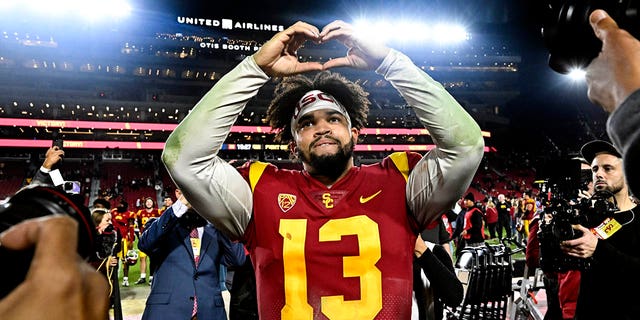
column 363, row 266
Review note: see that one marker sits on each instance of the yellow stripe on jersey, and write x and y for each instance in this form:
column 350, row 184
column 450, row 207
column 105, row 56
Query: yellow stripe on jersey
column 402, row 163
column 255, row 171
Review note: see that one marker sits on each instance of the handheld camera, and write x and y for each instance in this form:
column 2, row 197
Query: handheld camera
column 568, row 35
column 58, row 143
column 35, row 201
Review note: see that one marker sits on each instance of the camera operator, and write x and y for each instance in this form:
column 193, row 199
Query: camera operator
column 108, row 244
column 107, row 258
column 104, row 226
column 614, row 83
column 70, row 290
column 614, row 244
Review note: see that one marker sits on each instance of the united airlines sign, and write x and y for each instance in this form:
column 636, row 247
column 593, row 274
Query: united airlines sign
column 229, row 24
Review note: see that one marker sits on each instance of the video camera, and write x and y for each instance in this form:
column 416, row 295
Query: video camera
column 588, row 212
column 568, row 35
column 565, row 209
column 107, row 243
column 36, row 201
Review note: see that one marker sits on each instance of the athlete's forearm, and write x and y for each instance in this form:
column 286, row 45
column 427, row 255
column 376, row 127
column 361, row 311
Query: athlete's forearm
column 204, row 130
column 212, row 186
column 448, row 123
column 444, row 173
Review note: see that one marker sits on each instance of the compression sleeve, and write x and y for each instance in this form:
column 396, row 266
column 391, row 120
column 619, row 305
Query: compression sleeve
column 213, row 187
column 445, row 172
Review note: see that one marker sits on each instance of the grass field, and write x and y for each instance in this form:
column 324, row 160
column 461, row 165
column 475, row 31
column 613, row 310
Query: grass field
column 134, row 270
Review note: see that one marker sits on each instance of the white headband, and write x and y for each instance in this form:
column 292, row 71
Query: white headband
column 316, row 100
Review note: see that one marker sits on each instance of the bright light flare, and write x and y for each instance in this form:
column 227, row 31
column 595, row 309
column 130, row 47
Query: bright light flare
column 577, row 74
column 410, row 32
column 88, row 9
column 447, row 33
column 97, row 10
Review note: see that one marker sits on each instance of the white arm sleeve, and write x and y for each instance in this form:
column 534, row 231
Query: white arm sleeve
column 214, row 188
column 445, row 172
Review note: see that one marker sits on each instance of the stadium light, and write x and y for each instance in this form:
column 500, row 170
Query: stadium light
column 407, row 31
column 88, row 9
column 98, row 9
column 6, row 5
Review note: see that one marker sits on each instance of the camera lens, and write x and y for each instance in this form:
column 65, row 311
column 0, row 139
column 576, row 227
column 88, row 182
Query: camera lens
column 32, row 202
column 569, row 37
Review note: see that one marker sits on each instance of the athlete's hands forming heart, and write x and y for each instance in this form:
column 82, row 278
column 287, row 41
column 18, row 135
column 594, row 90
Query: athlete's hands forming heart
column 278, row 56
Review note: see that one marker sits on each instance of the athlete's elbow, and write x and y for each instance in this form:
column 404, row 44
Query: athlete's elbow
column 169, row 153
column 179, row 177
column 477, row 149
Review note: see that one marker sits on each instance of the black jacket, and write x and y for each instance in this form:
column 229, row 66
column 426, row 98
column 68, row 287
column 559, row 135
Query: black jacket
column 445, row 286
column 623, row 128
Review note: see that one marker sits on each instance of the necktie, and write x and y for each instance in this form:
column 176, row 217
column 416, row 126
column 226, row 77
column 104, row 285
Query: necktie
column 195, row 245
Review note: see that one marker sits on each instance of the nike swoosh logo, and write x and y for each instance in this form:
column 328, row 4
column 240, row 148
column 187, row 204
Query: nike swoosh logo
column 366, row 199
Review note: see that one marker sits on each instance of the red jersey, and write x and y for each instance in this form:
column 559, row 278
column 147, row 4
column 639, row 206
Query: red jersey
column 447, row 224
column 491, row 215
column 339, row 252
column 143, row 216
column 124, row 222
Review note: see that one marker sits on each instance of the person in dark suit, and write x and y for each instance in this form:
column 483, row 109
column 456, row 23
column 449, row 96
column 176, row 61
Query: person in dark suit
column 188, row 252
column 52, row 158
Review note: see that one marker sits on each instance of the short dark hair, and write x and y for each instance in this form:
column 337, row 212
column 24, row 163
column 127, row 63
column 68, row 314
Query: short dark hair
column 102, row 202
column 123, row 204
column 291, row 89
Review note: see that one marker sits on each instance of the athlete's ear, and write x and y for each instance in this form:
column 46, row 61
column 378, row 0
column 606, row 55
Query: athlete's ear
column 354, row 135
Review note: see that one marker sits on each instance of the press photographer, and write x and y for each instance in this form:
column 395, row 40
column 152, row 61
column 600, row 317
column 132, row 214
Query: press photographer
column 613, row 244
column 49, row 172
column 70, row 290
column 41, row 215
column 570, row 200
column 108, row 244
column 36, row 201
column 48, row 194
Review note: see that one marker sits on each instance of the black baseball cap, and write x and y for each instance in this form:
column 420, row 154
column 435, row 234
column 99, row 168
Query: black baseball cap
column 595, row 147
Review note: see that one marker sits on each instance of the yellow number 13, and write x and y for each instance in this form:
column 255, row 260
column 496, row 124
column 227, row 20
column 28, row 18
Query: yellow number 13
column 362, row 266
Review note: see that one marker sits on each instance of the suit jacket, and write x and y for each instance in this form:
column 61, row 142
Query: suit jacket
column 177, row 278
column 42, row 178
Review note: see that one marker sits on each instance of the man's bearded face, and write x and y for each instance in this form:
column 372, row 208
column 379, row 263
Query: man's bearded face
column 330, row 165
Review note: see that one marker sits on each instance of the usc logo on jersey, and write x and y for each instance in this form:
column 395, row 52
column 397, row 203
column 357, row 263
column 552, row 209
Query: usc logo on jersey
column 327, row 200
